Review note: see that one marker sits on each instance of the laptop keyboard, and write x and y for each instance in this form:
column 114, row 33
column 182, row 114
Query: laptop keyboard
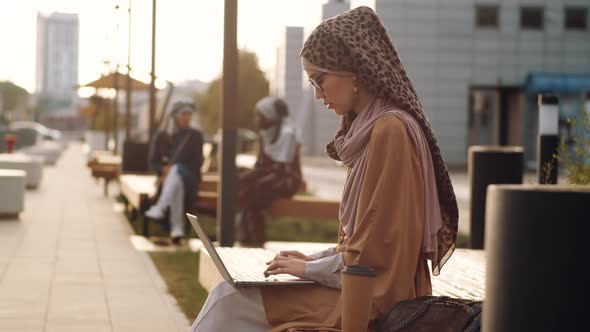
column 248, row 264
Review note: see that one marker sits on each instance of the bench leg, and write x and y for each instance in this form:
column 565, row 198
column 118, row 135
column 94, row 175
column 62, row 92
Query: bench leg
column 106, row 187
column 146, row 221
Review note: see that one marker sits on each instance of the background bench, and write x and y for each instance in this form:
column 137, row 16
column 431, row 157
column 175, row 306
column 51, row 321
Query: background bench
column 106, row 166
column 296, row 206
column 137, row 188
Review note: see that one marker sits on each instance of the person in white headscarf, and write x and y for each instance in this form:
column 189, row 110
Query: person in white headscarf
column 176, row 155
column 276, row 174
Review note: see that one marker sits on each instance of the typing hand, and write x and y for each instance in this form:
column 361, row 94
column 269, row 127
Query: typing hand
column 292, row 254
column 286, row 265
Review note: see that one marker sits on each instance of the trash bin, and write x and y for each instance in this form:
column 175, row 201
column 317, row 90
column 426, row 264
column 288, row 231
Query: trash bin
column 490, row 165
column 537, row 252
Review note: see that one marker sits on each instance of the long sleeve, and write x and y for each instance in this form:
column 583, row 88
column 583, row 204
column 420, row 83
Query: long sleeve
column 322, row 254
column 326, row 270
column 390, row 217
column 156, row 154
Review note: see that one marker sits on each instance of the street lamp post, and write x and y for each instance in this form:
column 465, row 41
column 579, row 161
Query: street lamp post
column 153, row 74
column 228, row 125
column 548, row 138
column 128, row 85
column 116, row 85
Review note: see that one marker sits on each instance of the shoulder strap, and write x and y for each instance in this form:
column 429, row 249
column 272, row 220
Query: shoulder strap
column 180, row 147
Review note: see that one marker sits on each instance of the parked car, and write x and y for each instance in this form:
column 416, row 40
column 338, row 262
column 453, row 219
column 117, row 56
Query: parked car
column 41, row 130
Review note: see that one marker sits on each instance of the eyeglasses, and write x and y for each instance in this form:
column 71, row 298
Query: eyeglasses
column 316, row 82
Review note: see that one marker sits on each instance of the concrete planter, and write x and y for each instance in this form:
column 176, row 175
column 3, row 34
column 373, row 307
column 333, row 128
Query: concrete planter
column 537, row 252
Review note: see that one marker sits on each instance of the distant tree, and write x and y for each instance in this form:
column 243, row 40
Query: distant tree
column 252, row 86
column 10, row 95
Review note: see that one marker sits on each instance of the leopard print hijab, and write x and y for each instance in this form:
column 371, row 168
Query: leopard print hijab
column 357, row 42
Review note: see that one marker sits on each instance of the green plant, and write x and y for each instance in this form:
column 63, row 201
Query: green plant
column 577, row 161
column 547, row 169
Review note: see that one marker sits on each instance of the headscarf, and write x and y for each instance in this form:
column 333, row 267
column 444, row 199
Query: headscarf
column 279, row 141
column 357, row 42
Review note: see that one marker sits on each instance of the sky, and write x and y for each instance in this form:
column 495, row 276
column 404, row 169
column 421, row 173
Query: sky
column 189, row 35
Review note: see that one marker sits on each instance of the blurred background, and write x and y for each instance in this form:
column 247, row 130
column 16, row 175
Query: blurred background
column 94, row 80
column 477, row 65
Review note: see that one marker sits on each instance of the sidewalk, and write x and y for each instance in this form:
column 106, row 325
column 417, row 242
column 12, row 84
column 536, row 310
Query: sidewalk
column 68, row 265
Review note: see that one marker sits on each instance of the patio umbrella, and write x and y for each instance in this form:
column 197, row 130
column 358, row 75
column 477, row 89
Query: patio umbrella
column 116, row 80
column 108, row 82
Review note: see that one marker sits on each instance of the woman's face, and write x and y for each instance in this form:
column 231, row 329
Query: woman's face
column 337, row 91
column 183, row 119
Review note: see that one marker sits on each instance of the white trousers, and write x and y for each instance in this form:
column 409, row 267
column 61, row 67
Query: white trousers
column 173, row 196
column 231, row 309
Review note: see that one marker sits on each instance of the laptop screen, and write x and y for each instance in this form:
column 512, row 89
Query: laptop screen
column 210, row 248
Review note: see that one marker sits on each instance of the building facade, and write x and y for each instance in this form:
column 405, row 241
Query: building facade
column 478, row 66
column 57, row 55
column 288, row 78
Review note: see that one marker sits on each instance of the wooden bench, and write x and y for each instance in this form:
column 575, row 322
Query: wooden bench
column 463, row 276
column 137, row 188
column 105, row 166
column 296, row 206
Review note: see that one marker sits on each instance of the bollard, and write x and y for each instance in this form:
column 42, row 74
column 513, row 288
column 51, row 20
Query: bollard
column 548, row 139
column 10, row 141
column 489, row 165
column 536, row 242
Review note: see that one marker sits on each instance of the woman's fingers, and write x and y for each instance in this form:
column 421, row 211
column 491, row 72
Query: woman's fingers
column 278, row 258
column 275, row 267
column 291, row 266
column 288, row 254
column 293, row 253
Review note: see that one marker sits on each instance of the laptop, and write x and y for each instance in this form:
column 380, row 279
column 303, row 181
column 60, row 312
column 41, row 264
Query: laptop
column 243, row 267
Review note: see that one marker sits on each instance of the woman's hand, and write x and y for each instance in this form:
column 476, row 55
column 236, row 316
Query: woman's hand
column 286, row 264
column 288, row 261
column 292, row 254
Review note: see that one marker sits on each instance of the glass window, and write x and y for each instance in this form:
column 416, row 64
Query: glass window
column 486, row 16
column 576, row 18
column 531, row 18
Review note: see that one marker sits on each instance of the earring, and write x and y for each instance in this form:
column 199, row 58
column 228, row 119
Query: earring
column 355, row 88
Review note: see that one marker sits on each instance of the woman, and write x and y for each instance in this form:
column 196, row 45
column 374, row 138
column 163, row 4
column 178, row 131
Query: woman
column 276, row 174
column 398, row 207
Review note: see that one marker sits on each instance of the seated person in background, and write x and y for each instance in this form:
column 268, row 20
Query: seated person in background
column 276, row 174
column 176, row 154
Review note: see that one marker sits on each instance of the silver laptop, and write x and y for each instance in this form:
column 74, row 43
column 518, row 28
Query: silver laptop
column 243, row 267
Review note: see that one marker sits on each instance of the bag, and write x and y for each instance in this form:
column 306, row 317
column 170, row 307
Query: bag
column 433, row 314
